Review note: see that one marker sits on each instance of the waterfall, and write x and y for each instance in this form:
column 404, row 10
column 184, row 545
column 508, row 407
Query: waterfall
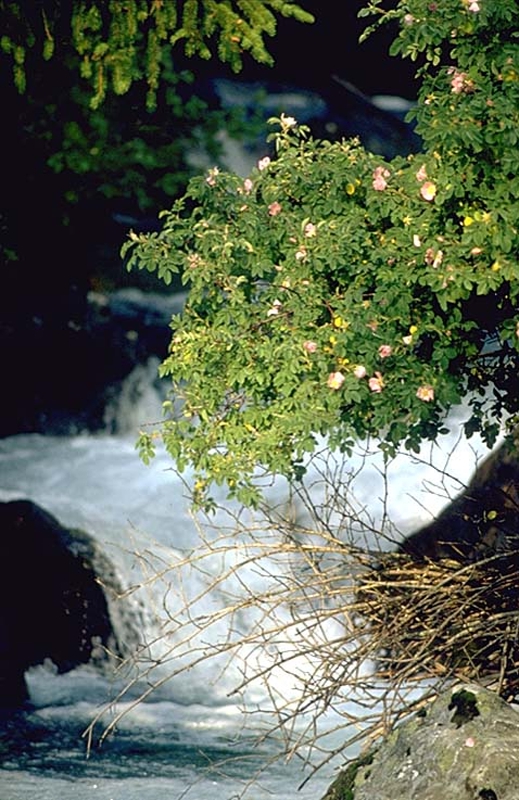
column 139, row 400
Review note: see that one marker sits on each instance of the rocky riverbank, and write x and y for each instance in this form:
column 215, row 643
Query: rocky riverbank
column 464, row 746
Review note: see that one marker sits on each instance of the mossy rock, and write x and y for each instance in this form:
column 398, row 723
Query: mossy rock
column 343, row 786
column 464, row 748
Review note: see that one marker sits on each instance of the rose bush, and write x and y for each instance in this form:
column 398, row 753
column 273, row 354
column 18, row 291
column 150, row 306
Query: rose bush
column 334, row 295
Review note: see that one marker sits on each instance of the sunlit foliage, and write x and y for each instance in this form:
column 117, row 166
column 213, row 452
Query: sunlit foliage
column 334, row 294
column 118, row 43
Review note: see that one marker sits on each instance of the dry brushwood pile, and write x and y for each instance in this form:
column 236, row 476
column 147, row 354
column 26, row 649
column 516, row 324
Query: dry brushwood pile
column 444, row 619
column 446, row 604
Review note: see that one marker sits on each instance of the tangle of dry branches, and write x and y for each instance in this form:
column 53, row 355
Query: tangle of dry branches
column 310, row 607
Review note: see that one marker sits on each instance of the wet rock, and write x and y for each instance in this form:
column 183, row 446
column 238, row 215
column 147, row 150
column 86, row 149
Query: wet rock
column 58, row 600
column 482, row 521
column 464, row 746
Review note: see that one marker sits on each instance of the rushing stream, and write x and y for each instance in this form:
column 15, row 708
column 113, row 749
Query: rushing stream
column 191, row 737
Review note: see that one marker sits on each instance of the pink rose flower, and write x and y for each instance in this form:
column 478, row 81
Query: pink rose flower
column 274, row 209
column 335, row 380
column 194, row 260
column 376, row 383
column 247, row 185
column 421, row 175
column 211, row 177
column 379, row 178
column 288, row 122
column 430, row 255
column 360, row 371
column 425, row 393
column 263, row 163
column 385, row 350
column 275, row 308
column 457, row 82
column 433, row 259
column 460, row 81
column 428, row 191
column 310, row 229
column 438, row 259
column 310, row 346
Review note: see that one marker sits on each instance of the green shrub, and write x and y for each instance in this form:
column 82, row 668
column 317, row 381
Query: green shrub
column 332, row 294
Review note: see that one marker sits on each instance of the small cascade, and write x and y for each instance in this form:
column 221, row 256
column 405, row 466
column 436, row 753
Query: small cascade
column 138, row 400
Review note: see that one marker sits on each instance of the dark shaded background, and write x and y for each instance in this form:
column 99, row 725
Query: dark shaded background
column 57, row 356
column 309, row 54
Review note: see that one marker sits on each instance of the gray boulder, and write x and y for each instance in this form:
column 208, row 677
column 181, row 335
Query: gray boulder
column 464, row 746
